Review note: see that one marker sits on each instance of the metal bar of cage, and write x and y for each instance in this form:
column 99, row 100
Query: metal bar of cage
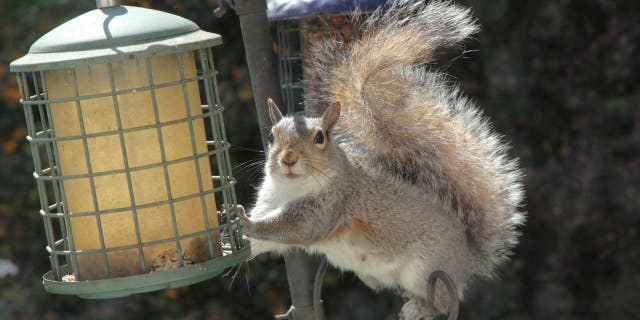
column 61, row 198
column 32, row 99
column 230, row 202
column 132, row 198
column 283, row 68
column 51, row 151
column 113, row 132
column 165, row 166
column 193, row 146
column 92, row 184
column 145, row 244
column 37, row 163
column 205, row 213
column 31, row 123
column 142, row 206
column 219, row 136
column 290, row 63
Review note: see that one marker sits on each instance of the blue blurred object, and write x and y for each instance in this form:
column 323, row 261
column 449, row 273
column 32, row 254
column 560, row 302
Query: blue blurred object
column 7, row 268
column 295, row 9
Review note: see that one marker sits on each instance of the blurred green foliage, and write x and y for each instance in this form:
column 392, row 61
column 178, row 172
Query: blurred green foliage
column 558, row 78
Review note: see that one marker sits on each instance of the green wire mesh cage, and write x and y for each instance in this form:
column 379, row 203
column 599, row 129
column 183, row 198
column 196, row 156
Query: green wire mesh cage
column 132, row 169
column 295, row 37
column 290, row 64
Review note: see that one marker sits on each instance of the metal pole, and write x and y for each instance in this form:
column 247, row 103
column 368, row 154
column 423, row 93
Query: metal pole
column 261, row 59
column 101, row 4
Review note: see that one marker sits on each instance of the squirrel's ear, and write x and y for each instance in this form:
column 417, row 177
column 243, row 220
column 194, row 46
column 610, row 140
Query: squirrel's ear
column 331, row 115
column 274, row 112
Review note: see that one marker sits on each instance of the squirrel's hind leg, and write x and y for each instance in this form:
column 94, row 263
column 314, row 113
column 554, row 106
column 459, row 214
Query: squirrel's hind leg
column 441, row 298
column 416, row 308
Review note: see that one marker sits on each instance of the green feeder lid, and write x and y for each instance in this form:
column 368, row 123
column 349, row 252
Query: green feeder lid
column 113, row 33
column 112, row 27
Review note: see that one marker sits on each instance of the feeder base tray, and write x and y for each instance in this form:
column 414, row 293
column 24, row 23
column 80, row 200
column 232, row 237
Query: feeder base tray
column 125, row 286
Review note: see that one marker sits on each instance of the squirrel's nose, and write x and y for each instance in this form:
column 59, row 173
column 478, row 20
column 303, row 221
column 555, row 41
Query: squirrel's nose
column 288, row 158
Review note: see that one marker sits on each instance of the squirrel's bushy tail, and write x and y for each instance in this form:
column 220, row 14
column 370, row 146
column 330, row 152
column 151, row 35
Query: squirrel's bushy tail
column 399, row 116
column 402, row 34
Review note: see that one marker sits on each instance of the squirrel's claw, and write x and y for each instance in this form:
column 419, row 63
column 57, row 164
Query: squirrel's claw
column 241, row 213
column 247, row 225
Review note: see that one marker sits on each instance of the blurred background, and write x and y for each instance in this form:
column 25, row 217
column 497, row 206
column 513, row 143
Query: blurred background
column 560, row 79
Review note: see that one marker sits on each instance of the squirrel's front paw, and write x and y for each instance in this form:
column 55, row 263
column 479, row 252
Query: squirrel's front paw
column 248, row 227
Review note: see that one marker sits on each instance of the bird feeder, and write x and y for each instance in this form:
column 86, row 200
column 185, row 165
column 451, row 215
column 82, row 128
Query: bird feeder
column 130, row 154
column 300, row 24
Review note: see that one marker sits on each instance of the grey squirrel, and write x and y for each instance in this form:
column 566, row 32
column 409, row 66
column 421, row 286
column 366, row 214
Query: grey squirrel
column 393, row 174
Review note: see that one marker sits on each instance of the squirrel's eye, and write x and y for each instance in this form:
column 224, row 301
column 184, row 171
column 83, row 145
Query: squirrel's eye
column 270, row 137
column 319, row 138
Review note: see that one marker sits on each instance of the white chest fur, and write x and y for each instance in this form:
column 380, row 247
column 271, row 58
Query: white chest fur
column 280, row 190
column 385, row 270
